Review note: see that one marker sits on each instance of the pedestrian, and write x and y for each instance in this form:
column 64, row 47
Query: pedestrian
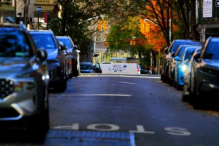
column 155, row 70
column 150, row 71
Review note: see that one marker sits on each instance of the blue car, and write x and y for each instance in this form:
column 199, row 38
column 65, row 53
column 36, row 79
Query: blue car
column 86, row 67
column 187, row 68
column 181, row 66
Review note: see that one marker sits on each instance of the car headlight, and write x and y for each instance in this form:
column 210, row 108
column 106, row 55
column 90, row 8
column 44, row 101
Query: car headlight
column 44, row 77
column 184, row 67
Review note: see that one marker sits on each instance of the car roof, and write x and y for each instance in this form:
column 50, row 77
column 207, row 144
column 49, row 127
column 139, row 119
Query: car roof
column 41, row 31
column 185, row 40
column 10, row 26
column 62, row 36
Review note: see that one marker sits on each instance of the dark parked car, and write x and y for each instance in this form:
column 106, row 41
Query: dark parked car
column 169, row 53
column 205, row 74
column 86, row 67
column 97, row 68
column 24, row 82
column 45, row 39
column 72, row 50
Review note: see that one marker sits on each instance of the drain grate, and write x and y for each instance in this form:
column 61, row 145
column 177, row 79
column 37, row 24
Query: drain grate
column 89, row 138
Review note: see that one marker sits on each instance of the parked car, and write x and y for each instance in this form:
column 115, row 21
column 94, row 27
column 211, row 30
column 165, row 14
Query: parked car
column 86, row 67
column 45, row 39
column 187, row 75
column 169, row 52
column 205, row 74
column 97, row 68
column 24, row 82
column 181, row 65
column 71, row 48
column 174, row 63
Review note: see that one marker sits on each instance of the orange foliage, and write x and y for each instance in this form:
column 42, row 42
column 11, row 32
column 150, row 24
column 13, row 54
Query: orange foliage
column 154, row 36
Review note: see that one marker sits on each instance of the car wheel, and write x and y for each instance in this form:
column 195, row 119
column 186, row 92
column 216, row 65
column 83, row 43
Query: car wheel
column 61, row 86
column 161, row 77
column 198, row 102
column 184, row 97
column 38, row 125
column 75, row 71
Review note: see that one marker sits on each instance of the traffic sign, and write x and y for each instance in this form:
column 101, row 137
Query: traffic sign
column 38, row 9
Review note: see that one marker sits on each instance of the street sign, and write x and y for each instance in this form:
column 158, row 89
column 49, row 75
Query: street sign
column 217, row 3
column 38, row 9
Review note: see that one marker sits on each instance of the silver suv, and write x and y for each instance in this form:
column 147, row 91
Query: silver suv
column 24, row 81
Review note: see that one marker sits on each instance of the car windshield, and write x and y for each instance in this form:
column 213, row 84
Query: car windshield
column 14, row 44
column 180, row 51
column 66, row 42
column 189, row 53
column 212, row 50
column 85, row 66
column 44, row 41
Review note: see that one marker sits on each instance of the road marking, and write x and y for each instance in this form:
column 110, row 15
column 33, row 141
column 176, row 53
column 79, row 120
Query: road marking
column 140, row 129
column 177, row 131
column 111, row 127
column 116, row 95
column 128, row 83
column 74, row 126
column 125, row 76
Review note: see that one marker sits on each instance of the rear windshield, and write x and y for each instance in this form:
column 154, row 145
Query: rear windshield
column 176, row 45
column 14, row 44
column 44, row 41
column 66, row 42
column 212, row 50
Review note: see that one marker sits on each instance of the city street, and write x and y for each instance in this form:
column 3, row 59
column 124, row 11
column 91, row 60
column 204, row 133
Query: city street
column 146, row 109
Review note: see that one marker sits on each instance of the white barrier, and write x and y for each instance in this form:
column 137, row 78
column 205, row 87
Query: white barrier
column 120, row 68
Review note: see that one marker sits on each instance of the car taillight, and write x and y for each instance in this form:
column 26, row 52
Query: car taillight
column 138, row 69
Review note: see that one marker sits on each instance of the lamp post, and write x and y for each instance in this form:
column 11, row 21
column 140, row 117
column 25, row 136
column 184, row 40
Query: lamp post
column 15, row 9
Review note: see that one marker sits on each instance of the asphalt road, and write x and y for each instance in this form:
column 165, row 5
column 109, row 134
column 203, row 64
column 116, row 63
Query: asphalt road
column 141, row 105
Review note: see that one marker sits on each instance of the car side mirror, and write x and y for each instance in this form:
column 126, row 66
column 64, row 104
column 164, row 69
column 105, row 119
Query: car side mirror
column 42, row 54
column 166, row 50
column 63, row 47
column 75, row 46
column 177, row 58
column 173, row 55
column 197, row 56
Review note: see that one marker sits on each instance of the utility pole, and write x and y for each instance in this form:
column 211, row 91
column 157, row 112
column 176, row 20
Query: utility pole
column 15, row 9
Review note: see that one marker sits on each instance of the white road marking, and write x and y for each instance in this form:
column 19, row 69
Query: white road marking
column 131, row 76
column 177, row 131
column 128, row 83
column 95, row 127
column 116, row 95
column 74, row 126
column 140, row 129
